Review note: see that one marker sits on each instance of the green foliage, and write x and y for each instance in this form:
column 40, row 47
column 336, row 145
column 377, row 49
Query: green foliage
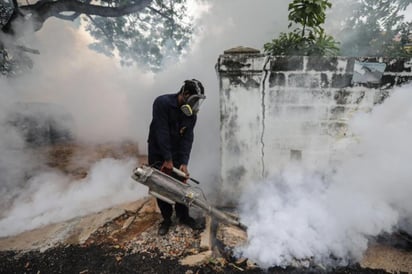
column 14, row 62
column 377, row 28
column 293, row 43
column 148, row 38
column 308, row 13
column 6, row 10
column 287, row 44
column 151, row 37
column 310, row 37
column 323, row 45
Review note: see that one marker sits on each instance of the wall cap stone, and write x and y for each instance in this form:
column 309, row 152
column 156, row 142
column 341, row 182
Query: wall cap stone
column 241, row 50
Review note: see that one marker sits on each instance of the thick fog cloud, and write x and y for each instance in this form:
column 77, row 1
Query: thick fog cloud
column 300, row 215
column 110, row 103
column 52, row 197
column 293, row 215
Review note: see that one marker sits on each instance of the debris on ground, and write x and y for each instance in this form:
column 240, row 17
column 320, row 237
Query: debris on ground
column 124, row 238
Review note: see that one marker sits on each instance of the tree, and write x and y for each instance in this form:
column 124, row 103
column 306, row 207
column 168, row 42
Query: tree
column 148, row 37
column 141, row 31
column 376, row 28
column 309, row 37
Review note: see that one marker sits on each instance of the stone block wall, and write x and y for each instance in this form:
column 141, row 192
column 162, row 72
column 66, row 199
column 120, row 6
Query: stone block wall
column 275, row 110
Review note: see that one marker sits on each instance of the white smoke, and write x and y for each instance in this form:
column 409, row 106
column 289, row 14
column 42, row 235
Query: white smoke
column 90, row 89
column 299, row 214
column 110, row 103
column 294, row 215
column 53, row 197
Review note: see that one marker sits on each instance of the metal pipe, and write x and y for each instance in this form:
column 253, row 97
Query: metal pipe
column 183, row 175
column 170, row 190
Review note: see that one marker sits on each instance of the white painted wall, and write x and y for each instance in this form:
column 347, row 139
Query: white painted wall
column 267, row 125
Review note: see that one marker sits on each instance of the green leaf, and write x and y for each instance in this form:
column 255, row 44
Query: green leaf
column 309, row 39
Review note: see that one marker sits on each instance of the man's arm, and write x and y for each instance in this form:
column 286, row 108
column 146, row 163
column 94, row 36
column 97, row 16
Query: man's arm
column 186, row 143
column 161, row 131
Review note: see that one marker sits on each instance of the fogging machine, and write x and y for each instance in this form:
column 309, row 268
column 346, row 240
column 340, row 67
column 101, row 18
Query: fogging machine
column 171, row 190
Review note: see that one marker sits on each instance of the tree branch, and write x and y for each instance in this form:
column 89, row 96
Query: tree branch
column 160, row 13
column 44, row 9
column 26, row 49
column 109, row 37
column 68, row 17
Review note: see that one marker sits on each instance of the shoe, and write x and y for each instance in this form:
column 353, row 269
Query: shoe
column 164, row 227
column 190, row 222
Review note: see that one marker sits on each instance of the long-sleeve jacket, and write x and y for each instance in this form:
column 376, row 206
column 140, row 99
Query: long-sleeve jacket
column 171, row 132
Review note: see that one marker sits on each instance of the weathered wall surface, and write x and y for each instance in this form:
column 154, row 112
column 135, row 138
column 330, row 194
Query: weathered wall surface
column 278, row 109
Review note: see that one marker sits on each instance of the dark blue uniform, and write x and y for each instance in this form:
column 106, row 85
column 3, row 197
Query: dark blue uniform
column 170, row 138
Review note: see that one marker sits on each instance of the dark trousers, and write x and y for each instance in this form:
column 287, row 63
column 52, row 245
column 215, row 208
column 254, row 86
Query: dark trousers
column 182, row 211
column 166, row 209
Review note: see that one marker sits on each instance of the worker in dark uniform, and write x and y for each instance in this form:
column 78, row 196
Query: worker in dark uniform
column 170, row 142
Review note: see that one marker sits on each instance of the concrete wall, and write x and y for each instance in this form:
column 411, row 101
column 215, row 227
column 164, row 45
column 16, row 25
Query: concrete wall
column 278, row 109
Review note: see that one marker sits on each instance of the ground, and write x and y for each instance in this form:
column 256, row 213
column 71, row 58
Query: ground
column 105, row 259
column 124, row 239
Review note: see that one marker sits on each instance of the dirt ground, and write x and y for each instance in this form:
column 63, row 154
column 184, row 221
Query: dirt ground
column 124, row 239
column 107, row 259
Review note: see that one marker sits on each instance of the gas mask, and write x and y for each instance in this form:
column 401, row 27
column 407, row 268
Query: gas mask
column 192, row 104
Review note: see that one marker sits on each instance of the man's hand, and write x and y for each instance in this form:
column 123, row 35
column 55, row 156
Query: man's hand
column 184, row 169
column 167, row 166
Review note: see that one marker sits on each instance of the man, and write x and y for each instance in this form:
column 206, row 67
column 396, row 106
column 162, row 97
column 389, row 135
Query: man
column 170, row 141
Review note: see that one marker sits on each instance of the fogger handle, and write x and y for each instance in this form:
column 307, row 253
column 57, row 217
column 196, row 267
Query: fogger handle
column 179, row 172
column 184, row 175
